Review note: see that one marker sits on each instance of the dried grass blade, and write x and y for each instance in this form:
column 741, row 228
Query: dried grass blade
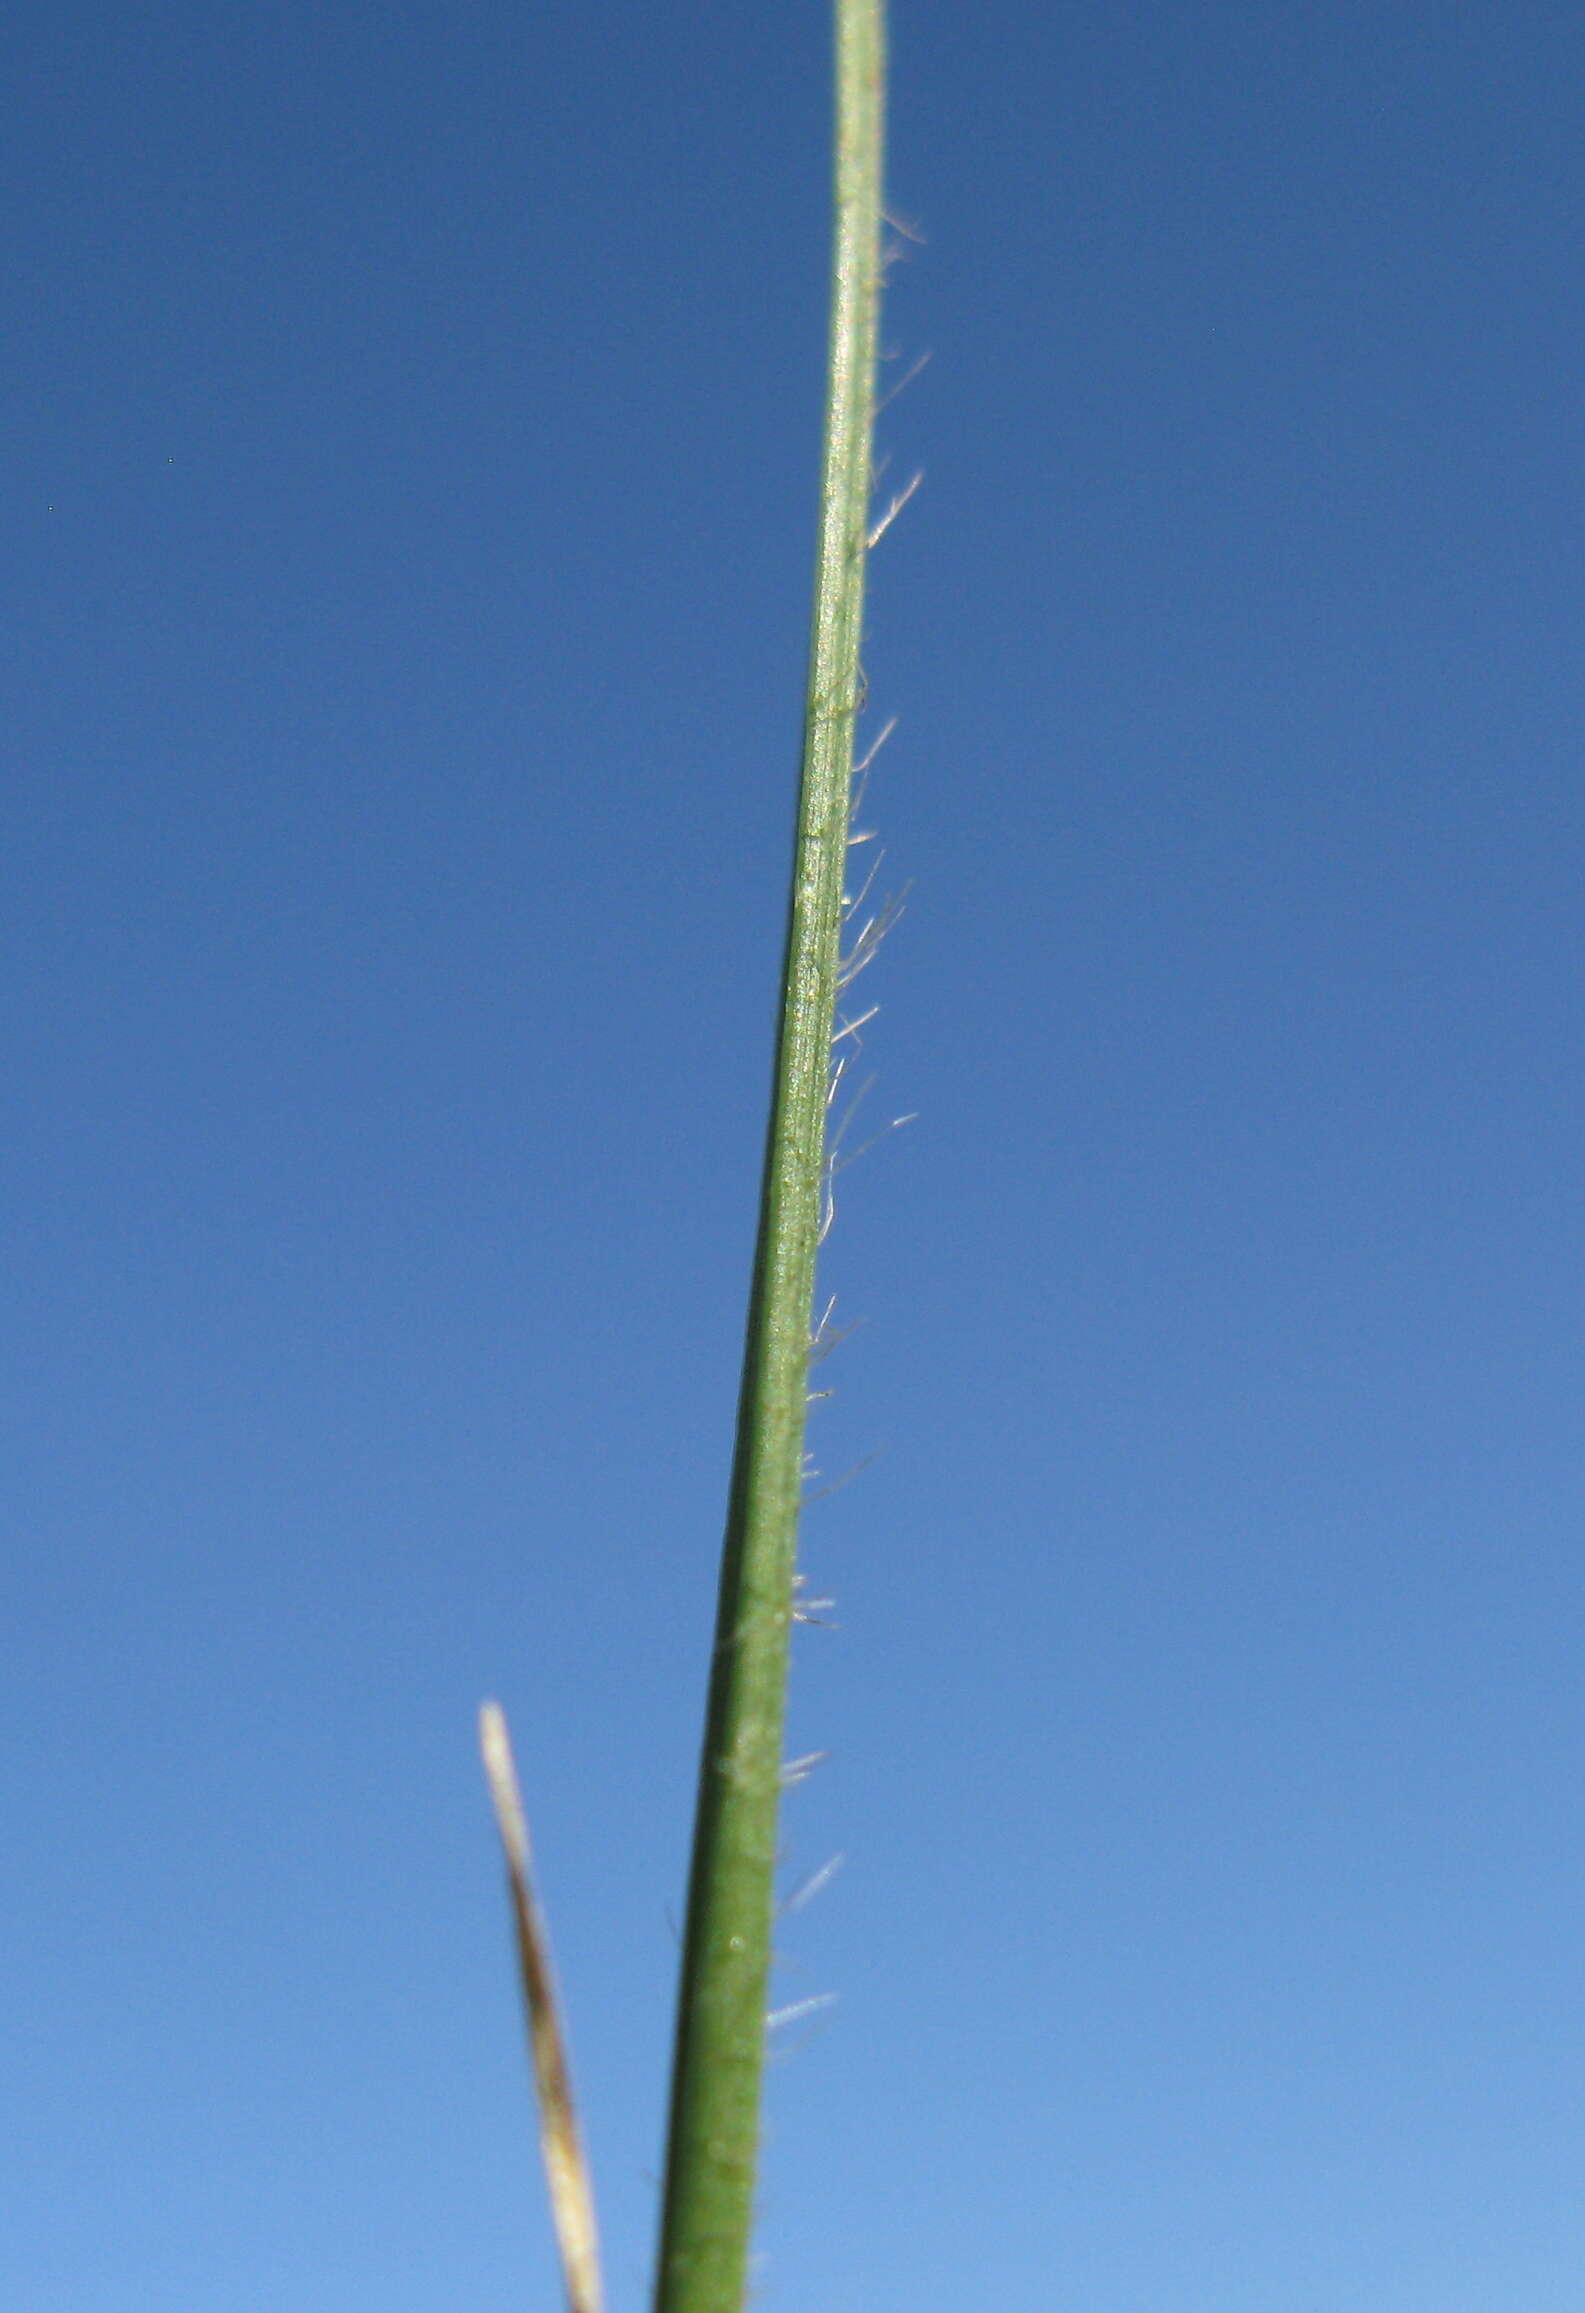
column 566, row 2170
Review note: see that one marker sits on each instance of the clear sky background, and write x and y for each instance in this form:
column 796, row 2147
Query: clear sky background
column 412, row 417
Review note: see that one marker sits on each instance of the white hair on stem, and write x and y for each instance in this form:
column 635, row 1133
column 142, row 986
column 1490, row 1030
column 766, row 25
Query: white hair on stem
column 879, row 529
column 854, row 900
column 826, row 1337
column 796, row 2010
column 866, row 945
column 835, row 1485
column 902, row 384
column 852, row 1027
column 809, row 1609
column 860, row 783
column 807, row 1889
column 798, row 1770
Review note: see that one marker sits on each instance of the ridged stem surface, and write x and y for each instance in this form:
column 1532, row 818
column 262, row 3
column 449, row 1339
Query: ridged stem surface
column 713, row 2137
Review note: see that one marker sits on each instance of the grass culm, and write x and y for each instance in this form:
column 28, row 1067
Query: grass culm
column 713, row 2130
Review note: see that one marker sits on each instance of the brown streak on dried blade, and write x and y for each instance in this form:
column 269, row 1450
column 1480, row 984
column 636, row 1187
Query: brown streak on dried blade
column 566, row 2171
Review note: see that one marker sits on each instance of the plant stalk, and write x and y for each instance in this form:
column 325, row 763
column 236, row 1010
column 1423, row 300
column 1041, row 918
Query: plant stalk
column 713, row 2135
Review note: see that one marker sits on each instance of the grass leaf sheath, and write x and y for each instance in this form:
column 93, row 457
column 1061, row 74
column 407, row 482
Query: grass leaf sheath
column 719, row 2054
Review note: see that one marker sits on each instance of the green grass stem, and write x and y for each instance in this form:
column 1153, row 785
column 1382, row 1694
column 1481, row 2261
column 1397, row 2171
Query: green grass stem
column 712, row 2144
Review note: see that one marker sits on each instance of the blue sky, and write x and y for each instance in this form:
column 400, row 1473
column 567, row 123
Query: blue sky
column 412, row 419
